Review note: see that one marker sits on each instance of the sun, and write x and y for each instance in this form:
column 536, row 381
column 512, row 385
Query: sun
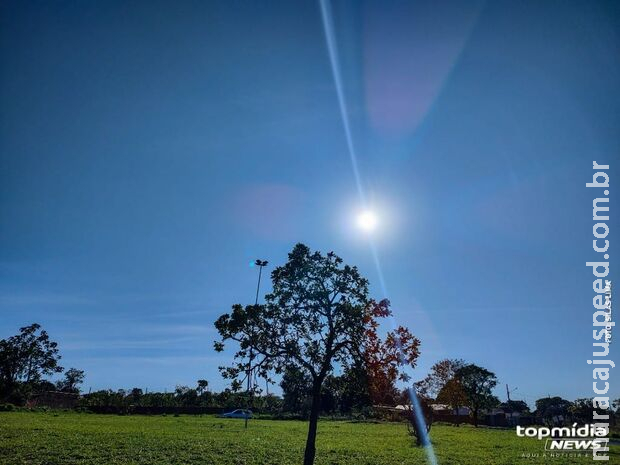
column 367, row 221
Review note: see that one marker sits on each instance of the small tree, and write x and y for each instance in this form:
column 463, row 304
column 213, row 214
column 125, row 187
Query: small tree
column 453, row 394
column 203, row 386
column 477, row 383
column 313, row 319
column 185, row 396
column 440, row 374
column 442, row 385
column 73, row 378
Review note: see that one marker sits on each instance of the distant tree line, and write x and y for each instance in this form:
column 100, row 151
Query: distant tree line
column 28, row 357
column 199, row 397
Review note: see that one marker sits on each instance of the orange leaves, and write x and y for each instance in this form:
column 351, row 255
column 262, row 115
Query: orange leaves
column 386, row 358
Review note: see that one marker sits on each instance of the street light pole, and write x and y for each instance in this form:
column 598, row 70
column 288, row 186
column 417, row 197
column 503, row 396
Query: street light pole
column 260, row 264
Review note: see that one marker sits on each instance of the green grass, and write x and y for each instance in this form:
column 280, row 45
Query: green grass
column 74, row 438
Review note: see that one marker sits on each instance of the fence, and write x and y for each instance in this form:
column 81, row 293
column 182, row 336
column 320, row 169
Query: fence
column 500, row 420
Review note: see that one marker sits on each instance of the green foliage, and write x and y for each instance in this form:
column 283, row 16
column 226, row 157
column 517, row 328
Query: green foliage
column 515, row 406
column 203, row 386
column 312, row 319
column 24, row 359
column 297, row 391
column 183, row 396
column 582, row 411
column 346, row 395
column 553, row 410
column 7, row 407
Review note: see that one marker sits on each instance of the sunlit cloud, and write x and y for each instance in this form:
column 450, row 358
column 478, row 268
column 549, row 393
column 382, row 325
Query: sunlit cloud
column 42, row 299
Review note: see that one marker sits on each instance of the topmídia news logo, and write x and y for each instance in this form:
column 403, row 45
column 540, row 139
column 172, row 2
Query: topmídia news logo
column 569, row 439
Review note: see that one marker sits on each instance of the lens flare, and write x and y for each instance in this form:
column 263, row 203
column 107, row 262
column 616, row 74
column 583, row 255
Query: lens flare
column 366, row 220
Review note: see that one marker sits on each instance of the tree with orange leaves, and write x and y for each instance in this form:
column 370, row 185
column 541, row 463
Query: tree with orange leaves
column 387, row 359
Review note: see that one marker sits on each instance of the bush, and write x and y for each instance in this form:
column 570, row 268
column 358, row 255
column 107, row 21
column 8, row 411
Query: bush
column 7, row 407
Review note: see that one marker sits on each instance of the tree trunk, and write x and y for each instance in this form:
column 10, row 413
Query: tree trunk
column 475, row 418
column 314, row 419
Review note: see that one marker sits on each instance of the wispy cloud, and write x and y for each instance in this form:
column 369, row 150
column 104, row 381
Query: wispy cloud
column 195, row 329
column 158, row 360
column 128, row 344
column 13, row 300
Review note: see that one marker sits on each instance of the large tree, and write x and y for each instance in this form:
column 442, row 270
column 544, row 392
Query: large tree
column 553, row 410
column 477, row 384
column 515, row 406
column 26, row 357
column 313, row 319
column 582, row 411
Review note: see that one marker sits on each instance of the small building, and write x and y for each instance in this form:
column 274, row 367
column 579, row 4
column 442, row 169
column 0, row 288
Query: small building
column 444, row 409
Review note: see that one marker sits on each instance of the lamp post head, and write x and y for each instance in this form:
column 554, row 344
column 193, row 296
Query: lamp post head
column 261, row 263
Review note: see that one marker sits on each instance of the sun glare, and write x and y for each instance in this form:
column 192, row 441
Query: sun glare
column 367, row 221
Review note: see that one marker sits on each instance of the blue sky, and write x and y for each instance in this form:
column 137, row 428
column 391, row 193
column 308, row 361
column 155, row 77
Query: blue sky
column 151, row 151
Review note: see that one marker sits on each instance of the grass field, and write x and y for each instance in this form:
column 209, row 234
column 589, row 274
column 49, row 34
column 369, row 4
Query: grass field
column 81, row 438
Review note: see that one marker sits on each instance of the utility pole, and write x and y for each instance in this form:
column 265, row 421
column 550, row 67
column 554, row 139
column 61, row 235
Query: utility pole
column 509, row 406
column 260, row 264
